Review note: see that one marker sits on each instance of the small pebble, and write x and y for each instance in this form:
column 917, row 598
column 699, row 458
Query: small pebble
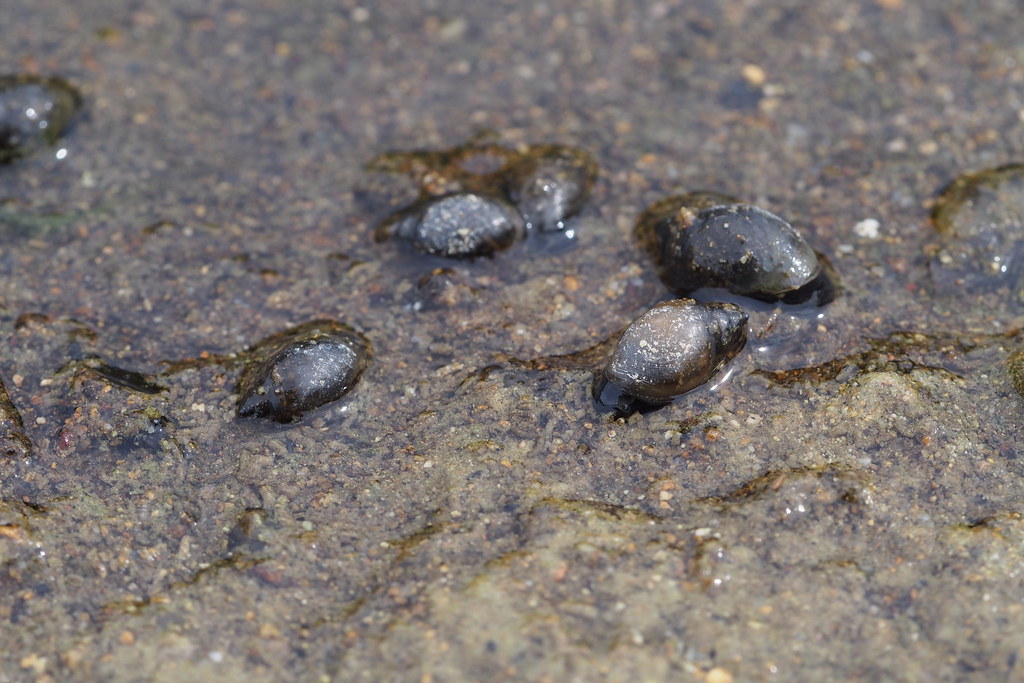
column 867, row 228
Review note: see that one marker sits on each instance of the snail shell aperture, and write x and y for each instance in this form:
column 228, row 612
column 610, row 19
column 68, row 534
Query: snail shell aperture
column 669, row 350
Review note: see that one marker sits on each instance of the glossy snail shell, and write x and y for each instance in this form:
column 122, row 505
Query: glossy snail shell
column 703, row 239
column 673, row 348
column 301, row 369
column 458, row 225
column 34, row 112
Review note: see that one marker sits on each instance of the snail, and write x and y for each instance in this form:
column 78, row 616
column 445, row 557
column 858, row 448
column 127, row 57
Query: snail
column 477, row 199
column 550, row 184
column 705, row 239
column 34, row 111
column 978, row 219
column 301, row 369
column 669, row 350
column 456, row 225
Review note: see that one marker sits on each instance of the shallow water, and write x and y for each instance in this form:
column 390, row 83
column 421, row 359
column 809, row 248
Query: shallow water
column 843, row 503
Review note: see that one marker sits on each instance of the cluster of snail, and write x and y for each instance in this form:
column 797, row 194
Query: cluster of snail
column 705, row 240
column 478, row 199
column 475, row 213
column 538, row 189
column 698, row 241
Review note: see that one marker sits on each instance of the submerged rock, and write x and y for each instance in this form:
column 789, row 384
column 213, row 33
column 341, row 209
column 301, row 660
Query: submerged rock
column 669, row 350
column 34, row 111
column 979, row 218
column 301, row 369
column 460, row 225
column 702, row 240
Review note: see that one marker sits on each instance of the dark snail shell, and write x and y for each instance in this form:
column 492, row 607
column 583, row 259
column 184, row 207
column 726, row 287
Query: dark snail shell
column 301, row 369
column 697, row 242
column 457, row 225
column 34, row 111
column 550, row 185
column 669, row 350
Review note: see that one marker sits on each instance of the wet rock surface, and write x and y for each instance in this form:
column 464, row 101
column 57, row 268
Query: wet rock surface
column 845, row 506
